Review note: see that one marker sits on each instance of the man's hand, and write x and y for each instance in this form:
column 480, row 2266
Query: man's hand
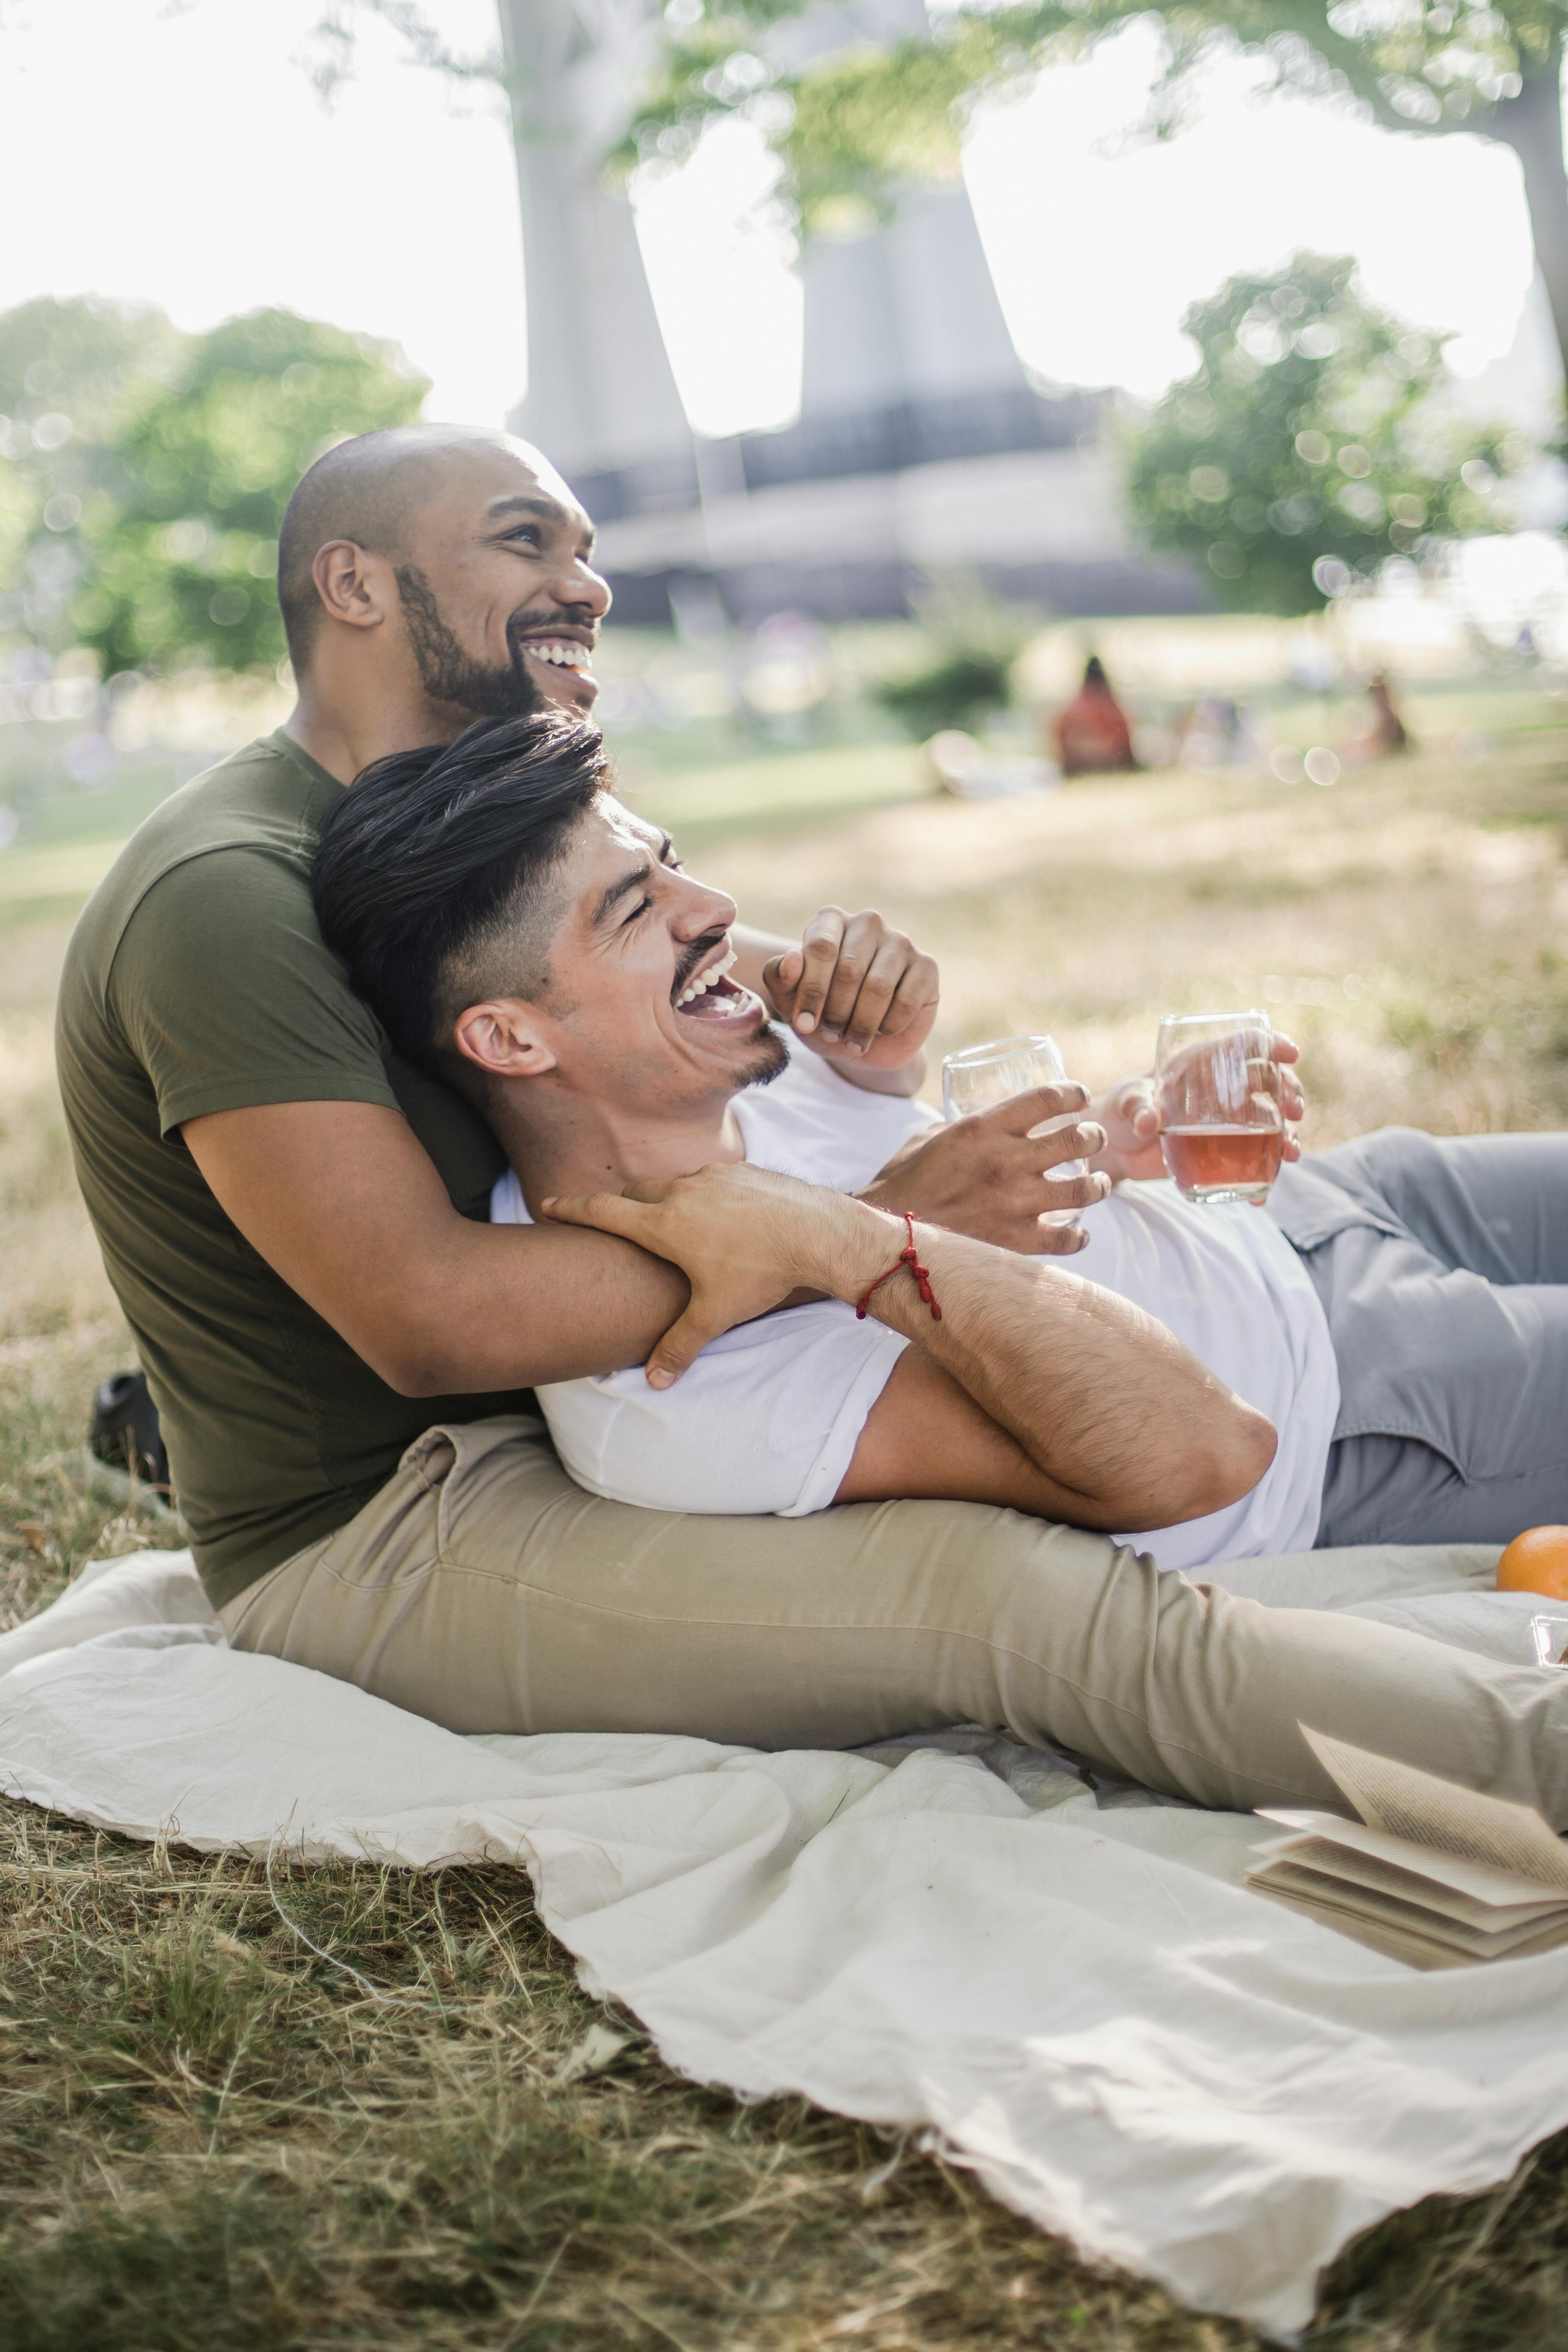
column 1130, row 1114
column 985, row 1177
column 855, row 991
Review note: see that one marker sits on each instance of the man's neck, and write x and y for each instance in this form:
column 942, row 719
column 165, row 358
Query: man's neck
column 563, row 1143
column 345, row 733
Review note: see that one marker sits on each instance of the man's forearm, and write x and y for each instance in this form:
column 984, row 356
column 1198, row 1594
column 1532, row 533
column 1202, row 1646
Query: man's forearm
column 344, row 1205
column 508, row 1307
column 1106, row 1402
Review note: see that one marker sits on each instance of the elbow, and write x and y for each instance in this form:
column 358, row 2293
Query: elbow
column 411, row 1378
column 1238, row 1453
column 407, row 1375
column 410, row 1366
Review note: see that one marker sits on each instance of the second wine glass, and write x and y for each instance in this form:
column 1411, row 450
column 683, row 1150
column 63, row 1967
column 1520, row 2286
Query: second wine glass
column 983, row 1077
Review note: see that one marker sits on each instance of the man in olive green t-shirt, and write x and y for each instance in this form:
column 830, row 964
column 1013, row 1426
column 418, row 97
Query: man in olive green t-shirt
column 294, row 1219
column 338, row 1340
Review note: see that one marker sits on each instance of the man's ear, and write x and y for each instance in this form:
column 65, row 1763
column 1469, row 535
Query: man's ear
column 354, row 587
column 504, row 1037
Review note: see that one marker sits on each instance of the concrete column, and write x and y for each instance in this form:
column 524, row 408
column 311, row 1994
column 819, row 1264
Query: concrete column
column 601, row 395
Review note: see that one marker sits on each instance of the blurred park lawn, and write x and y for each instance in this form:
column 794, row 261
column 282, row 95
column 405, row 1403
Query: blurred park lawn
column 210, row 2139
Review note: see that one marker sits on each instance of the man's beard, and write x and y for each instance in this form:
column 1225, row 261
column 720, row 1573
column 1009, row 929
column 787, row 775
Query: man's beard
column 448, row 673
column 772, row 1062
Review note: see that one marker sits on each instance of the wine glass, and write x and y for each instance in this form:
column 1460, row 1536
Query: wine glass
column 1222, row 1131
column 1549, row 1638
column 983, row 1077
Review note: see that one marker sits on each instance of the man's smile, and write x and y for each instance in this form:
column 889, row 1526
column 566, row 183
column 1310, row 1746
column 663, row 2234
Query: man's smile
column 564, row 653
column 710, row 995
column 556, row 644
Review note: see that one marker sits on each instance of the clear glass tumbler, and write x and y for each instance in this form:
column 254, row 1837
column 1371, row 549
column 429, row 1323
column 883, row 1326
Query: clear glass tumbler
column 1223, row 1135
column 983, row 1077
column 1549, row 1638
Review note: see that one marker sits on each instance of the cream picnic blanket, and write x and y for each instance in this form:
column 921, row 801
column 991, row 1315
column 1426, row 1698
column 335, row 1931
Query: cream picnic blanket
column 1067, row 1990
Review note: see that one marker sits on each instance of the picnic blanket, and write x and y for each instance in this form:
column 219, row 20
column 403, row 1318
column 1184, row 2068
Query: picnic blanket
column 1064, row 1987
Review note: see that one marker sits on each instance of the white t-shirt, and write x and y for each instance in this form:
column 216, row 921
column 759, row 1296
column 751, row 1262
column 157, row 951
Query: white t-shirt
column 767, row 1418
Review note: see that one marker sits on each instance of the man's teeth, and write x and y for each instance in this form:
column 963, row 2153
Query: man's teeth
column 700, row 986
column 565, row 656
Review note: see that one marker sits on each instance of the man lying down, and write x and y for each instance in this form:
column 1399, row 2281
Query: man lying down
column 530, row 940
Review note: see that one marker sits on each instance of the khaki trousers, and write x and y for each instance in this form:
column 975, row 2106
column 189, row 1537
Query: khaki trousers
column 484, row 1590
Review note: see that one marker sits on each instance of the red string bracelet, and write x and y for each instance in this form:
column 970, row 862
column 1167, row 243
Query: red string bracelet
column 910, row 1257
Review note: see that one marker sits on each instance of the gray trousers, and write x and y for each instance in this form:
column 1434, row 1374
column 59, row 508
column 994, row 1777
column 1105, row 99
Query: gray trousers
column 1442, row 1266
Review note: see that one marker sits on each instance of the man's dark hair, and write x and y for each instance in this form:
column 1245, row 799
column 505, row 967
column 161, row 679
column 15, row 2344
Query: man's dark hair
column 432, row 879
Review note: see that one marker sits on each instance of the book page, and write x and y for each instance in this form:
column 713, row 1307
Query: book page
column 1440, row 1873
column 1438, row 1950
column 1398, row 1943
column 1337, row 1899
column 1403, row 1802
column 1510, row 1899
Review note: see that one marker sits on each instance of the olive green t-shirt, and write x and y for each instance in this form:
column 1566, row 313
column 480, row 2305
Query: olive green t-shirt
column 197, row 980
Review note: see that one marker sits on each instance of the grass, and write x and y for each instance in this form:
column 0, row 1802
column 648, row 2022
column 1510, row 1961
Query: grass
column 211, row 2137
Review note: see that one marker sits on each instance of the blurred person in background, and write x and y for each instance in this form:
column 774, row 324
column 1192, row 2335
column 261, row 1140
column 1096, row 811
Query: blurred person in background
column 1386, row 732
column 1093, row 735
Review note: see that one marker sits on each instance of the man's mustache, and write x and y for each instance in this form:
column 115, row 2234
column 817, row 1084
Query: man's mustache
column 693, row 957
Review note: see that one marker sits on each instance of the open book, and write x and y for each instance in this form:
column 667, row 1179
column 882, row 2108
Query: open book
column 1432, row 1874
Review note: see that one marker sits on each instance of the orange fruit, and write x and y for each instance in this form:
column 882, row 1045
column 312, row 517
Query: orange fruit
column 1536, row 1561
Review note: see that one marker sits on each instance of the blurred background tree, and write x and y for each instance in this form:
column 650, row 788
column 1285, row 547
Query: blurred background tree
column 149, row 470
column 971, row 641
column 851, row 125
column 1312, row 441
column 69, row 374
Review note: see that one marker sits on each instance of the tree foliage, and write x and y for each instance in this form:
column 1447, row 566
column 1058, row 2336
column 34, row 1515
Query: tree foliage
column 1313, row 442
column 148, row 472
column 68, row 373
column 852, row 122
column 971, row 643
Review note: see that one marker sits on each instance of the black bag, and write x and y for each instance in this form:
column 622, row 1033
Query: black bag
column 125, row 1432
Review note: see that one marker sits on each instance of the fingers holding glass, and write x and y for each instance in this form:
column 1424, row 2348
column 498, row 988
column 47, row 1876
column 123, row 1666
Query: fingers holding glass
column 986, row 1077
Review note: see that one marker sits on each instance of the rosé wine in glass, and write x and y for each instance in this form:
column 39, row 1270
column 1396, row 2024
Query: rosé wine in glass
column 1223, row 1130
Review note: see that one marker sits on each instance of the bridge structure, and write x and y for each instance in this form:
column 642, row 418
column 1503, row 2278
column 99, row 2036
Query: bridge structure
column 923, row 444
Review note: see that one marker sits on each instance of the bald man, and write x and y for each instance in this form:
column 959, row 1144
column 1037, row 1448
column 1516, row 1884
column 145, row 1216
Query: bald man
column 295, row 1221
column 341, row 1346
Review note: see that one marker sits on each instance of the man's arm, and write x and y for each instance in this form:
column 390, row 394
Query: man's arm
column 1120, row 1427
column 342, row 1201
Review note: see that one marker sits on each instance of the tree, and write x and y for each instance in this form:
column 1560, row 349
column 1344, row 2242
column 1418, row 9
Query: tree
column 184, row 560
column 68, row 371
column 852, row 124
column 150, row 469
column 972, row 642
column 1311, row 442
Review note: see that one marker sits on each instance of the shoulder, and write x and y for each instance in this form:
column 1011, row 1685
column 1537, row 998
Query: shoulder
column 239, row 837
column 202, row 939
column 811, row 1123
